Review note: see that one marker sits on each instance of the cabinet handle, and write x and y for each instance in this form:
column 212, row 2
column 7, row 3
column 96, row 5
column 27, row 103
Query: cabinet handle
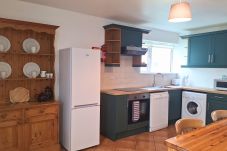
column 219, row 97
column 19, row 122
column 209, row 58
column 41, row 111
column 212, row 58
column 3, row 116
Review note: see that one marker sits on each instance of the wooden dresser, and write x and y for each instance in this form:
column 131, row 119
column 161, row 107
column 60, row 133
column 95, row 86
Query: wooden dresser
column 31, row 126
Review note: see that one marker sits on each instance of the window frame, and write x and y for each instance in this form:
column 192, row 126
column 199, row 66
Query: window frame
column 158, row 45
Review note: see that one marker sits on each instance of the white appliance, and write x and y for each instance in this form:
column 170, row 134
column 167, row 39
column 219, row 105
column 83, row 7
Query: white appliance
column 220, row 84
column 194, row 105
column 159, row 107
column 79, row 91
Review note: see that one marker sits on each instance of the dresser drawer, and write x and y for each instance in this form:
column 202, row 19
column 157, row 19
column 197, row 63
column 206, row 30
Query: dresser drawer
column 11, row 115
column 41, row 111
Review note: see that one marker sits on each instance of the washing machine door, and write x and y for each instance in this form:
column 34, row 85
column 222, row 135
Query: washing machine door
column 193, row 108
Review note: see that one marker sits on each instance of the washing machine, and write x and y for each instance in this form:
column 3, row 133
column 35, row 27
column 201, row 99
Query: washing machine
column 194, row 105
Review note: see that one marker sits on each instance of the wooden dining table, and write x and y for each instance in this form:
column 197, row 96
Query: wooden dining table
column 212, row 137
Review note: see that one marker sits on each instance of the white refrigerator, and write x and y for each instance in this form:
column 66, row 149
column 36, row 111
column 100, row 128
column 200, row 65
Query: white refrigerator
column 79, row 94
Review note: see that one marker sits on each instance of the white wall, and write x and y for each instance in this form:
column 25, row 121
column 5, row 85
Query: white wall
column 76, row 30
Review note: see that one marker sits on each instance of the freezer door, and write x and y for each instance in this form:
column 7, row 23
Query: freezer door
column 85, row 76
column 85, row 127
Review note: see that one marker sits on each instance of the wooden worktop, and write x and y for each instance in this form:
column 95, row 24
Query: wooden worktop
column 196, row 89
column 210, row 138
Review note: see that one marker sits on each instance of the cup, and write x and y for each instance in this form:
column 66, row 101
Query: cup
column 3, row 74
column 1, row 48
column 43, row 74
column 33, row 74
column 51, row 75
column 47, row 75
column 33, row 49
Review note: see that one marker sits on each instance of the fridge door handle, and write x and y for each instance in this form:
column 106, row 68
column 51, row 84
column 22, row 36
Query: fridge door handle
column 86, row 105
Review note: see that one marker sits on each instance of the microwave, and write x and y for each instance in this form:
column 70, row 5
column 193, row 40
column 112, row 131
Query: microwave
column 220, row 84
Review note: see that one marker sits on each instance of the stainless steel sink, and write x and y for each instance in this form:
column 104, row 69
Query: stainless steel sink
column 154, row 88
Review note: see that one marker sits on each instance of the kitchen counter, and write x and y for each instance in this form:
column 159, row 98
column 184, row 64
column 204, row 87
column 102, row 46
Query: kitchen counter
column 167, row 88
column 209, row 138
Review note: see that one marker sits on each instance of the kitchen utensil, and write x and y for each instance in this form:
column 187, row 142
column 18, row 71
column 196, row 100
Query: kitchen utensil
column 31, row 67
column 19, row 94
column 31, row 45
column 4, row 44
column 5, row 67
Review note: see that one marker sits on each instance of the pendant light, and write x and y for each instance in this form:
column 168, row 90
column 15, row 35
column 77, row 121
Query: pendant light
column 180, row 12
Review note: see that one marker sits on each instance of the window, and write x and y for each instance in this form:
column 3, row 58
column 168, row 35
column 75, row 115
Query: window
column 158, row 58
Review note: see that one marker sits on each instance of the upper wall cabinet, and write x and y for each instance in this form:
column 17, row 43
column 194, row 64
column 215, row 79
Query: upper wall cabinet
column 207, row 50
column 119, row 39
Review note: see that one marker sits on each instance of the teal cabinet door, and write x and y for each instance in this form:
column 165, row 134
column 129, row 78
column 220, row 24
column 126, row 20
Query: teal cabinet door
column 121, row 123
column 219, row 55
column 175, row 104
column 199, row 50
column 215, row 102
column 114, row 116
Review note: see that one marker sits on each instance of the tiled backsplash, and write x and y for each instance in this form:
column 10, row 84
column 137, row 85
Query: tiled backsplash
column 127, row 76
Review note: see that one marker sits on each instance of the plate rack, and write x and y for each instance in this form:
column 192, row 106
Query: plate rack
column 17, row 32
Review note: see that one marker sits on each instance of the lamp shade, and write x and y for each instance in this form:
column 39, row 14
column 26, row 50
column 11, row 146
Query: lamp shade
column 180, row 12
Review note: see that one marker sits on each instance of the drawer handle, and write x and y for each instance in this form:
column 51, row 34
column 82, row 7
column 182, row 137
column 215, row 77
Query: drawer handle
column 19, row 122
column 219, row 97
column 41, row 111
column 3, row 116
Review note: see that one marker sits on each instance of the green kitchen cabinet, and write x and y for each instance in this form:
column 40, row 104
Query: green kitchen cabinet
column 114, row 118
column 175, row 103
column 219, row 54
column 207, row 50
column 215, row 102
column 113, row 115
column 199, row 50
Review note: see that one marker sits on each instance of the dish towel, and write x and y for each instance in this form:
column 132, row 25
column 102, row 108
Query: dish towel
column 135, row 111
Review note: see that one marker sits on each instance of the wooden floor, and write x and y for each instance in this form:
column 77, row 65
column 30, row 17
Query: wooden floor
column 142, row 142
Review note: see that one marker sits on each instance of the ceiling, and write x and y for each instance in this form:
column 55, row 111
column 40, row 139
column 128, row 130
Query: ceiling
column 147, row 13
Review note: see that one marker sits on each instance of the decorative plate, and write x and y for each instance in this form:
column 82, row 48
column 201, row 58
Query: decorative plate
column 29, row 68
column 5, row 67
column 4, row 44
column 31, row 45
column 19, row 94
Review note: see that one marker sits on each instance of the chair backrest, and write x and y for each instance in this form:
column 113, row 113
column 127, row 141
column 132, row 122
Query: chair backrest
column 219, row 115
column 186, row 125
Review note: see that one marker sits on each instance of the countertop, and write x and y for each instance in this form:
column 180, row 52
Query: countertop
column 167, row 88
column 208, row 138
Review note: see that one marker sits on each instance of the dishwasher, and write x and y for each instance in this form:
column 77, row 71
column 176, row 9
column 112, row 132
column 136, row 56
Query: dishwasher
column 159, row 107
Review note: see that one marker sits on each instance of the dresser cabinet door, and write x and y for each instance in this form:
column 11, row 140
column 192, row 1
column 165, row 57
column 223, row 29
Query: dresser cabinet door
column 11, row 131
column 41, row 131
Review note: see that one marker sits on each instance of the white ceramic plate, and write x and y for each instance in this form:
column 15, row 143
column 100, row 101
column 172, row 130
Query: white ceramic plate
column 4, row 44
column 5, row 67
column 31, row 45
column 29, row 68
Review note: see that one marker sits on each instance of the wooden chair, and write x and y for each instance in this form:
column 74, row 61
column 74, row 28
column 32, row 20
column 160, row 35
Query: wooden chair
column 218, row 115
column 186, row 125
